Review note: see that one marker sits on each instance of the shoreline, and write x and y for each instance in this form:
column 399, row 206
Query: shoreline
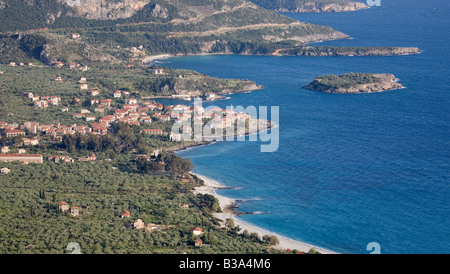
column 148, row 59
column 203, row 142
column 228, row 211
column 392, row 52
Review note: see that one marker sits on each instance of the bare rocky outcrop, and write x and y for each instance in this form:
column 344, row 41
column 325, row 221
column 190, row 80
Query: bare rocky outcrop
column 107, row 9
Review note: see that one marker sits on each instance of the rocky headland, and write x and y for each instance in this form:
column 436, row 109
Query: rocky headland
column 352, row 83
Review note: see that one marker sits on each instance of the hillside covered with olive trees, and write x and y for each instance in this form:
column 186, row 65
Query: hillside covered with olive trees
column 174, row 27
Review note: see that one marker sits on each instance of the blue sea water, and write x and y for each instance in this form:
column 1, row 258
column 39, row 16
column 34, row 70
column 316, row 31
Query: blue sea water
column 350, row 169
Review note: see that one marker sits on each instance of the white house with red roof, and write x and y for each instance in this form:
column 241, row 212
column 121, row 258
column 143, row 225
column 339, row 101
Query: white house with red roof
column 41, row 103
column 90, row 118
column 14, row 133
column 106, row 102
column 5, row 170
column 197, row 231
column 78, row 115
column 125, row 214
column 130, row 107
column 94, row 92
column 4, row 150
column 63, row 206
column 145, row 120
column 30, row 141
column 132, row 101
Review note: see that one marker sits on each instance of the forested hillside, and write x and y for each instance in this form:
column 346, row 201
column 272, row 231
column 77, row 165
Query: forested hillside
column 166, row 26
column 32, row 221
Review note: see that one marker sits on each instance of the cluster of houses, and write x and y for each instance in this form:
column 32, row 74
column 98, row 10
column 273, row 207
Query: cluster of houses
column 136, row 52
column 67, row 159
column 7, row 150
column 43, row 101
column 139, row 224
column 197, row 231
column 60, row 159
column 219, row 118
column 131, row 113
column 70, row 65
column 11, row 130
column 56, row 131
column 157, row 71
column 64, row 207
column 14, row 64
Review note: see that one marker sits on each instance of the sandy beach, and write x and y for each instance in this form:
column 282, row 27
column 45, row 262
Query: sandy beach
column 226, row 204
column 152, row 58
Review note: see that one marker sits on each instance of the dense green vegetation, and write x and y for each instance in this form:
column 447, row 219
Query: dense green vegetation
column 37, row 14
column 200, row 27
column 15, row 81
column 333, row 82
column 151, row 187
column 32, row 223
column 347, row 51
column 347, row 80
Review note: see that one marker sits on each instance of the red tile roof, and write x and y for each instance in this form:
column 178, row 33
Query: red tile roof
column 20, row 155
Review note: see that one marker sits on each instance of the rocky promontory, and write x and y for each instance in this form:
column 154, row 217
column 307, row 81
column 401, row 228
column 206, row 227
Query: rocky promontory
column 351, row 83
column 348, row 51
column 301, row 6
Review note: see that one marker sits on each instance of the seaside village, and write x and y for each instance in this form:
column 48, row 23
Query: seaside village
column 100, row 116
column 144, row 113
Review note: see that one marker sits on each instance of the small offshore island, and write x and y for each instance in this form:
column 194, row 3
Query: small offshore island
column 351, row 83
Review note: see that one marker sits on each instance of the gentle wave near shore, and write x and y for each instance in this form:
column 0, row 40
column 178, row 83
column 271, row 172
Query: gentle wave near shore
column 226, row 203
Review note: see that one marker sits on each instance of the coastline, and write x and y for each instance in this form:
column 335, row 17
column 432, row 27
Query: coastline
column 204, row 142
column 308, row 51
column 152, row 58
column 228, row 211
